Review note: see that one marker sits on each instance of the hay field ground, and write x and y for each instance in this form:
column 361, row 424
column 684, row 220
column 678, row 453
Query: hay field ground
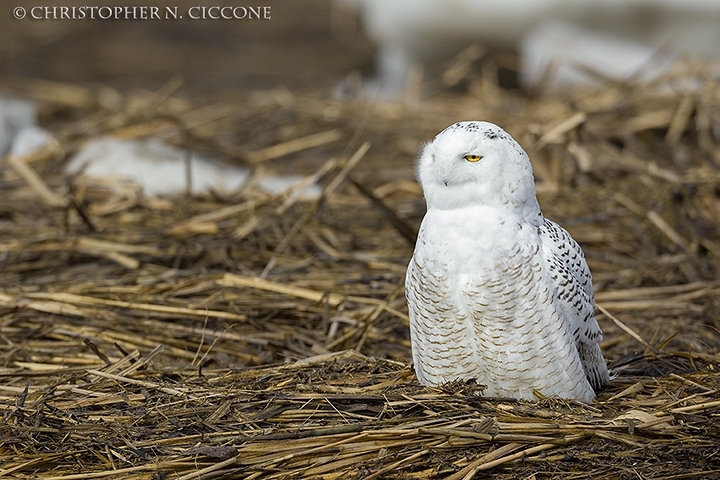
column 249, row 335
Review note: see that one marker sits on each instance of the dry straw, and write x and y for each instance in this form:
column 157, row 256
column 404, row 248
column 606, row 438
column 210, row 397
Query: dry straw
column 247, row 335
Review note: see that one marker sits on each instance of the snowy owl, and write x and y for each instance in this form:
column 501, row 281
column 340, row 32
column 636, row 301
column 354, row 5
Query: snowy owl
column 496, row 292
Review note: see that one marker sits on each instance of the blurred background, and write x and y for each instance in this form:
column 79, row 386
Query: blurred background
column 317, row 43
column 307, row 43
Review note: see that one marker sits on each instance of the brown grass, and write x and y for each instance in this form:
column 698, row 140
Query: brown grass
column 255, row 336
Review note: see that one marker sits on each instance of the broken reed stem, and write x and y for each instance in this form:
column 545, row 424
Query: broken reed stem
column 146, row 307
column 470, row 470
column 332, row 299
column 626, row 329
column 556, row 133
column 654, row 218
column 36, row 183
column 667, row 230
column 631, row 293
column 395, row 465
column 296, row 145
column 407, row 232
column 309, row 180
column 313, row 451
column 523, row 454
column 132, row 381
column 232, row 280
column 117, row 473
column 326, row 193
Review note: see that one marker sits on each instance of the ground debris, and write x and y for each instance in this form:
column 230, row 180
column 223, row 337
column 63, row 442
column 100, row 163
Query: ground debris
column 258, row 335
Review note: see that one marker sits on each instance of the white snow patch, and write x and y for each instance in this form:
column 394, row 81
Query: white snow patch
column 160, row 169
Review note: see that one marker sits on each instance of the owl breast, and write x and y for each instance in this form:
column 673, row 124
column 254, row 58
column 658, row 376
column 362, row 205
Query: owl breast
column 482, row 307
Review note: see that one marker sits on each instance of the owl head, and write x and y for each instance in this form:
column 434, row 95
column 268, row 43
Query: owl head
column 477, row 163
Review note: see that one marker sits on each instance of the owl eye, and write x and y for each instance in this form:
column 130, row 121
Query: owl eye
column 472, row 158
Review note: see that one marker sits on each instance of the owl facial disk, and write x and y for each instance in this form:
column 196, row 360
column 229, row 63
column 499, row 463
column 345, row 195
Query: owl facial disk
column 475, row 163
column 457, row 167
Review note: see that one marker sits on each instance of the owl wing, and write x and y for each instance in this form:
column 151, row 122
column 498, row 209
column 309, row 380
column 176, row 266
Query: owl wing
column 570, row 278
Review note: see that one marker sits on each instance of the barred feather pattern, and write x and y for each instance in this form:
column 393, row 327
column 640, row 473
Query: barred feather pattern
column 496, row 292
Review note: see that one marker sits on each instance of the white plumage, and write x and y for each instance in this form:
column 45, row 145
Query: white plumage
column 495, row 291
